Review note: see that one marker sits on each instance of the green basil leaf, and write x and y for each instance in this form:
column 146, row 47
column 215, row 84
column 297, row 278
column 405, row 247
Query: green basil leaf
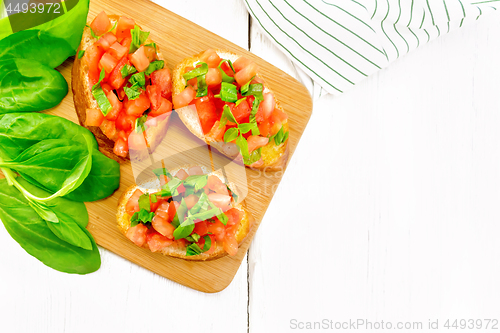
column 198, row 71
column 138, row 38
column 173, row 184
column 162, row 171
column 144, row 202
column 255, row 90
column 185, row 229
column 127, row 70
column 243, row 144
column 208, row 243
column 27, row 85
column 81, row 53
column 154, row 198
column 36, row 45
column 100, row 96
column 193, row 250
column 140, row 124
column 180, row 214
column 193, row 238
column 202, row 87
column 228, row 92
column 35, row 236
column 244, row 88
column 279, row 137
column 202, row 204
column 255, row 155
column 231, row 134
column 226, row 115
column 253, row 113
column 223, row 218
column 155, row 65
column 92, row 33
column 138, row 79
column 247, row 127
column 196, row 181
column 225, row 77
column 142, row 216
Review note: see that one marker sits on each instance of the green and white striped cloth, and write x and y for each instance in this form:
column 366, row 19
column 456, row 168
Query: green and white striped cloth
column 340, row 42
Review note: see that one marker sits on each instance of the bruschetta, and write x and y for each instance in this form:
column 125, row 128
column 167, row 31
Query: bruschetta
column 122, row 87
column 191, row 214
column 222, row 99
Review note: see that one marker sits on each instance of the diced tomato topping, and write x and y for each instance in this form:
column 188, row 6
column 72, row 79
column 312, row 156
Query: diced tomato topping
column 213, row 245
column 133, row 203
column 216, row 185
column 163, row 226
column 150, row 53
column 163, row 79
column 280, row 115
column 195, row 170
column 139, row 59
column 246, row 73
column 106, row 41
column 156, row 241
column 227, row 69
column 108, row 62
column 115, row 78
column 230, row 245
column 216, row 132
column 266, row 107
column 109, row 129
column 117, row 50
column 265, row 127
column 218, row 229
column 137, row 141
column 241, row 112
column 184, row 98
column 94, row 117
column 201, row 228
column 220, row 200
column 162, row 210
column 213, row 77
column 257, row 80
column 116, row 104
column 124, row 26
column 137, row 234
column 136, row 107
column 159, row 105
column 241, row 63
column 92, row 56
column 120, row 148
column 172, row 209
column 181, row 174
column 191, row 200
column 100, row 24
column 233, row 216
column 207, row 112
column 153, row 206
column 125, row 122
column 126, row 42
column 256, row 141
column 211, row 58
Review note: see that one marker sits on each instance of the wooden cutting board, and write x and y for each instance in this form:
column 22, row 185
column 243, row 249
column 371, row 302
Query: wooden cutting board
column 179, row 38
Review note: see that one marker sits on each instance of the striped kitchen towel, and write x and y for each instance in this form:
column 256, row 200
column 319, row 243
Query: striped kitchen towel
column 340, row 42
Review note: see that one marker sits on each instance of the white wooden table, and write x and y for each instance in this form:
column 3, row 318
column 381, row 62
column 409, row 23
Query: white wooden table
column 389, row 210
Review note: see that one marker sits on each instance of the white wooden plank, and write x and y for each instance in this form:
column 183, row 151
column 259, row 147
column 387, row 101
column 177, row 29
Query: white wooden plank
column 389, row 208
column 123, row 297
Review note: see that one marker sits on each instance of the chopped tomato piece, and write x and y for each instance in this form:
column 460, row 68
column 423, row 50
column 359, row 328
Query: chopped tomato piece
column 172, row 209
column 163, row 226
column 191, row 200
column 211, row 58
column 163, row 79
column 117, row 50
column 126, row 42
column 216, row 185
column 106, row 41
column 181, row 174
column 94, row 117
column 150, row 53
column 121, row 148
column 241, row 112
column 266, row 107
column 92, row 56
column 201, row 228
column 108, row 62
column 116, row 104
column 156, row 241
column 136, row 107
column 139, row 59
column 217, row 228
column 230, row 245
column 233, row 216
column 265, row 127
column 115, row 78
column 159, row 105
column 184, row 98
column 125, row 122
column 124, row 26
column 133, row 203
column 280, row 115
column 220, row 200
column 257, row 80
column 137, row 141
column 256, row 141
column 213, row 77
column 100, row 24
column 109, row 129
column 137, row 234
column 154, row 205
column 241, row 63
column 217, row 133
column 207, row 113
column 227, row 69
column 246, row 73
column 195, row 170
column 162, row 210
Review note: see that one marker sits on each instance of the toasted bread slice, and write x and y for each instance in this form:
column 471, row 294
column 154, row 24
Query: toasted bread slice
column 83, row 100
column 274, row 157
column 175, row 250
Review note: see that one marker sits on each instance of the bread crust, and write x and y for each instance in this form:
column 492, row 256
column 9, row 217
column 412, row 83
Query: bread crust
column 274, row 157
column 123, row 220
column 83, row 100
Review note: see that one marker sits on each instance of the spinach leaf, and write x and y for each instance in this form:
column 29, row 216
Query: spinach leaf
column 68, row 26
column 36, row 45
column 27, row 85
column 20, row 131
column 36, row 238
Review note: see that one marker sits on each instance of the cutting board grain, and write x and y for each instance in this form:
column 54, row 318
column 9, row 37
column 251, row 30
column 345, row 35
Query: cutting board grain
column 177, row 39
